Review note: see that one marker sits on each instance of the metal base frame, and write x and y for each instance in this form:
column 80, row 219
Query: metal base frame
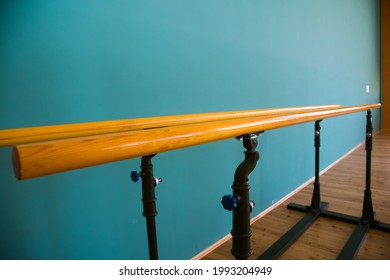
column 319, row 209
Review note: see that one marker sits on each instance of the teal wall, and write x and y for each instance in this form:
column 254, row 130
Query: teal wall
column 69, row 61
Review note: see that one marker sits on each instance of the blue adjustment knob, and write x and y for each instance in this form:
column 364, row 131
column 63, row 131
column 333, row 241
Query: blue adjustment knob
column 229, row 202
column 134, row 175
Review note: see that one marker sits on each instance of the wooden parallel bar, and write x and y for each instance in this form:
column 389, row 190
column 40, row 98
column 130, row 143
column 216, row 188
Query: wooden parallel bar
column 39, row 159
column 16, row 136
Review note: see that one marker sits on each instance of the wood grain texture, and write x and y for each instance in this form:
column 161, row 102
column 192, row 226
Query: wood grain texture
column 43, row 158
column 11, row 137
column 342, row 186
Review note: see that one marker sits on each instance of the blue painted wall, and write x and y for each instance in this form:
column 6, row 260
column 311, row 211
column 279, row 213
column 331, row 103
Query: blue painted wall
column 72, row 61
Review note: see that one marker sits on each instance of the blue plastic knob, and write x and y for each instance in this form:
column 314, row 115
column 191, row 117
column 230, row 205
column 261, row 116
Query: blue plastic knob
column 134, row 175
column 229, row 202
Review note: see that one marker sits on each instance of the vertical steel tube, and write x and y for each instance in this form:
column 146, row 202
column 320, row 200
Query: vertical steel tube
column 316, row 197
column 368, row 212
column 149, row 204
column 241, row 230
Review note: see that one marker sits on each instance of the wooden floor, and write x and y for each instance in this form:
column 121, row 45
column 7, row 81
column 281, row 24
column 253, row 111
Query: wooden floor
column 342, row 186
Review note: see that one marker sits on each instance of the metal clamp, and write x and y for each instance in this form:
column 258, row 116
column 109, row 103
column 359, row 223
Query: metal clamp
column 135, row 176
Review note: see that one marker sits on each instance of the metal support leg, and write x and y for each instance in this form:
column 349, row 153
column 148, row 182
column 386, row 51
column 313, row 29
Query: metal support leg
column 149, row 182
column 313, row 211
column 240, row 203
column 149, row 204
column 241, row 231
column 368, row 212
column 352, row 246
column 316, row 204
column 319, row 209
column 316, row 198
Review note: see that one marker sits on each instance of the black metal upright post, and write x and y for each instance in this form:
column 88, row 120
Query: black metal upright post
column 241, row 230
column 316, row 203
column 240, row 202
column 351, row 247
column 149, row 204
column 149, row 182
column 368, row 211
column 316, row 198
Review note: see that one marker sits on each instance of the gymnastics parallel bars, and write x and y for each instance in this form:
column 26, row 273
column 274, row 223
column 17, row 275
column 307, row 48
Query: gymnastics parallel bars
column 200, row 133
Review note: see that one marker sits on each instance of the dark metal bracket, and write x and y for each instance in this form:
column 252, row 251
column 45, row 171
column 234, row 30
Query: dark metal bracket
column 318, row 208
column 149, row 182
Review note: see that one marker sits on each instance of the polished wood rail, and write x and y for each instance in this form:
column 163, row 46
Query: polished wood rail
column 18, row 136
column 43, row 158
